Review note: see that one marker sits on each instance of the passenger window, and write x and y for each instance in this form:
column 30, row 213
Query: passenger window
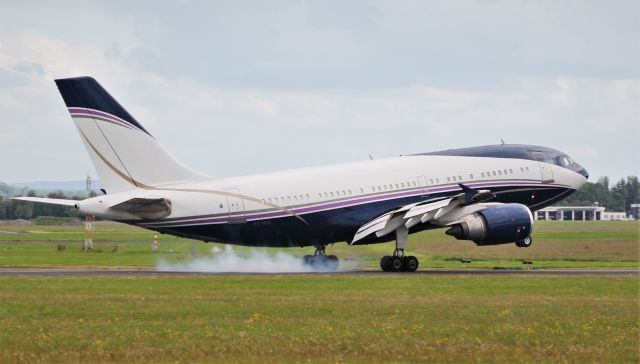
column 402, row 184
column 349, row 192
column 500, row 172
column 505, row 171
column 482, row 174
column 526, row 168
column 521, row 169
column 470, row 176
column 430, row 181
column 437, row 180
column 448, row 179
column 510, row 171
column 344, row 193
column 379, row 188
column 361, row 190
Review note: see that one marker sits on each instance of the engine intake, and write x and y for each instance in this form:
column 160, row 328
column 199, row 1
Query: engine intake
column 502, row 224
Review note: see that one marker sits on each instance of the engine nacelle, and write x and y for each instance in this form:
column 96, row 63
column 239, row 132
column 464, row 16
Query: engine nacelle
column 502, row 224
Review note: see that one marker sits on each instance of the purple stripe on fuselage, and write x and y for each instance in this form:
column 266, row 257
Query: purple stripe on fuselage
column 350, row 202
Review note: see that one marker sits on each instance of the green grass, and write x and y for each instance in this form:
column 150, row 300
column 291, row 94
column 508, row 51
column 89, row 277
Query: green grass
column 603, row 244
column 320, row 318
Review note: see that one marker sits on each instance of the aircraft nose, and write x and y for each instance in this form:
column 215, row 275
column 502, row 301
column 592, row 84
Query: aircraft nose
column 583, row 172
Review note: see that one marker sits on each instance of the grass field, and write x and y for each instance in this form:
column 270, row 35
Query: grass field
column 556, row 245
column 320, row 318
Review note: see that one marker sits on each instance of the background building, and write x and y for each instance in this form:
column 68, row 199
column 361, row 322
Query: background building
column 579, row 213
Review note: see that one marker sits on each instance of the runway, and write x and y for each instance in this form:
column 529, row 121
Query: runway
column 44, row 272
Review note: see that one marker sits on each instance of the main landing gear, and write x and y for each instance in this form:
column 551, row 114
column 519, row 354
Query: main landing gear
column 319, row 261
column 399, row 262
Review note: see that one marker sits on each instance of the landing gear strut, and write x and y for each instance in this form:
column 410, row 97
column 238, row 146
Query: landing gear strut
column 399, row 262
column 319, row 261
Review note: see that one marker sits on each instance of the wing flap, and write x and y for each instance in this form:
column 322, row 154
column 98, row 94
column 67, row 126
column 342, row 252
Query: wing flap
column 421, row 212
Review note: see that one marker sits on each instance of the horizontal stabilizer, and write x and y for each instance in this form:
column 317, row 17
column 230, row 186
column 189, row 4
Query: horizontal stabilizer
column 51, row 201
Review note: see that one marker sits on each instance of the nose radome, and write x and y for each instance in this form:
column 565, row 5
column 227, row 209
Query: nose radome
column 584, row 172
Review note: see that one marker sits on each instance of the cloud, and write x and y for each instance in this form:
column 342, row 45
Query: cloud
column 288, row 84
column 11, row 79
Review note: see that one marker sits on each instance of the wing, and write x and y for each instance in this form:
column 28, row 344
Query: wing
column 445, row 211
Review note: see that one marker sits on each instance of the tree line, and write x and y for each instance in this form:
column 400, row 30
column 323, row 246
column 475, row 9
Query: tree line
column 12, row 210
column 617, row 197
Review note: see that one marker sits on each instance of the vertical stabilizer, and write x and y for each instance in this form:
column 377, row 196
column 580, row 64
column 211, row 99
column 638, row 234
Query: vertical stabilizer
column 123, row 152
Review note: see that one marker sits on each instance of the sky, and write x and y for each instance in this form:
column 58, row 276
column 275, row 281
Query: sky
column 241, row 87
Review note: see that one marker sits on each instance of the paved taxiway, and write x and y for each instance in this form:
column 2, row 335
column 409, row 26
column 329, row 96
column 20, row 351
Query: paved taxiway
column 149, row 272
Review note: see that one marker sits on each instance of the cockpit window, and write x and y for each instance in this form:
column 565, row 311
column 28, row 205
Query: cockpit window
column 566, row 160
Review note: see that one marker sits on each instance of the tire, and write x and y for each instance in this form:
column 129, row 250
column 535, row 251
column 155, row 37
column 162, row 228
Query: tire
column 331, row 263
column 411, row 264
column 524, row 243
column 385, row 263
column 396, row 264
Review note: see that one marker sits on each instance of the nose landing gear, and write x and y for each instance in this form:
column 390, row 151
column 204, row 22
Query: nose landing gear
column 319, row 261
column 524, row 243
column 398, row 262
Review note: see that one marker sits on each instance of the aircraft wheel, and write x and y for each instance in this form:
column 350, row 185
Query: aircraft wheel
column 396, row 264
column 411, row 263
column 525, row 243
column 385, row 263
column 331, row 262
column 307, row 259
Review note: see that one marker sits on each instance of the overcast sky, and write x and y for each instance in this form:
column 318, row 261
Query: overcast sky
column 241, row 87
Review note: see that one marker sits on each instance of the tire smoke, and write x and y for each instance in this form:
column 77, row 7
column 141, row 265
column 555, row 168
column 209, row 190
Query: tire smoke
column 228, row 261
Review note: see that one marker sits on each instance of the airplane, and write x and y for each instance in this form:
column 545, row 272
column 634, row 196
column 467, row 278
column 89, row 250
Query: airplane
column 485, row 194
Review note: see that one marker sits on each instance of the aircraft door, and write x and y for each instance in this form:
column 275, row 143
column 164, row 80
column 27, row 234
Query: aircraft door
column 545, row 169
column 235, row 205
column 422, row 183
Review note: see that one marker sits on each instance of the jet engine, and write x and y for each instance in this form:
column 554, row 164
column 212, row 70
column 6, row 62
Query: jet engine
column 503, row 224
